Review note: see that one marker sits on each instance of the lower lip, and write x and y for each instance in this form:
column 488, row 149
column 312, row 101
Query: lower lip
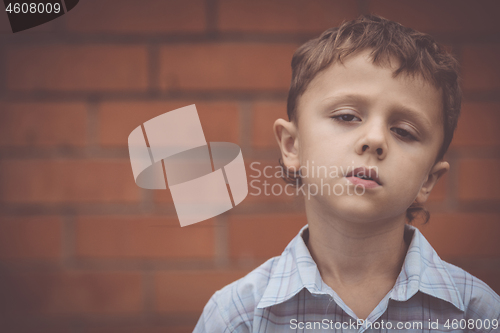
column 363, row 182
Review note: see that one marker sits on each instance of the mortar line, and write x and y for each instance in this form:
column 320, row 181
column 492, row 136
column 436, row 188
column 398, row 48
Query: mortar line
column 68, row 241
column 93, row 127
column 154, row 69
column 245, row 116
column 221, row 241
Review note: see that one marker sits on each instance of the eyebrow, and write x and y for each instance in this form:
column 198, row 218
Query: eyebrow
column 344, row 97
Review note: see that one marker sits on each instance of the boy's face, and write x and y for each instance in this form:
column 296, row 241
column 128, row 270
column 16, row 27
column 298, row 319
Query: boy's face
column 356, row 114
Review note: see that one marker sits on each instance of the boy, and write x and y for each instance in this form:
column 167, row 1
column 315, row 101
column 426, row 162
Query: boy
column 385, row 99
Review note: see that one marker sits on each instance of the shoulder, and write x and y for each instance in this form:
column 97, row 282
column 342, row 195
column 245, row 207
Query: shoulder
column 234, row 305
column 480, row 301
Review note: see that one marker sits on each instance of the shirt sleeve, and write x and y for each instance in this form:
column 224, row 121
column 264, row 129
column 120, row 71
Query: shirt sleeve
column 483, row 308
column 213, row 319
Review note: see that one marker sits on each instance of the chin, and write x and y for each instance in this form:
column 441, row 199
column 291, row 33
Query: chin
column 358, row 216
column 361, row 212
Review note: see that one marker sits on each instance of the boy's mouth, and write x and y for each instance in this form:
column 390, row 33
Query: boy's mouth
column 365, row 174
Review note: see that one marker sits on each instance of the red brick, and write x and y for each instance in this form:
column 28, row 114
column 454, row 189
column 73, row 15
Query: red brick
column 220, row 120
column 57, row 181
column 227, row 66
column 30, row 237
column 480, row 68
column 189, row 291
column 262, row 236
column 43, row 124
column 479, row 179
column 71, row 293
column 142, row 329
column 463, row 235
column 73, row 68
column 283, row 15
column 440, row 16
column 130, row 16
column 142, row 237
column 264, row 116
column 478, row 125
column 25, row 327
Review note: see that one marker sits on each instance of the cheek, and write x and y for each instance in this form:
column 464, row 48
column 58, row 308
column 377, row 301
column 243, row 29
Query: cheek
column 412, row 172
column 322, row 151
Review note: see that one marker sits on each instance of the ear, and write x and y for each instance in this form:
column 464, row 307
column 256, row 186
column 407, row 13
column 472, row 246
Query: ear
column 439, row 169
column 286, row 134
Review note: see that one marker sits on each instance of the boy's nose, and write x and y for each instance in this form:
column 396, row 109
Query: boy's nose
column 380, row 151
column 373, row 142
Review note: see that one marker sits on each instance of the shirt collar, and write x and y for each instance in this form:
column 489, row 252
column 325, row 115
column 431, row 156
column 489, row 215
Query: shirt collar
column 422, row 271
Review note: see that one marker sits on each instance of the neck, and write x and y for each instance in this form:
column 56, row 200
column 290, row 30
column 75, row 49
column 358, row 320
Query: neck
column 351, row 253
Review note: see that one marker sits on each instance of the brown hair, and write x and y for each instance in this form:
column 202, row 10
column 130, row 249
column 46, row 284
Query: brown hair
column 418, row 54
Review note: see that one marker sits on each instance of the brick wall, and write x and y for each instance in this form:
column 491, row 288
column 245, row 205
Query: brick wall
column 83, row 249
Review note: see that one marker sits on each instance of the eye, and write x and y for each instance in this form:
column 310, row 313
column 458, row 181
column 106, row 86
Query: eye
column 346, row 117
column 404, row 133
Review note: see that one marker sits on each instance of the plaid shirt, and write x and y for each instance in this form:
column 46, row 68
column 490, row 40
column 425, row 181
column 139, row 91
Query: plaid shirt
column 287, row 294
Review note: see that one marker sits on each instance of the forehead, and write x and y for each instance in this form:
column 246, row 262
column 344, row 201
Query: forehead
column 360, row 79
